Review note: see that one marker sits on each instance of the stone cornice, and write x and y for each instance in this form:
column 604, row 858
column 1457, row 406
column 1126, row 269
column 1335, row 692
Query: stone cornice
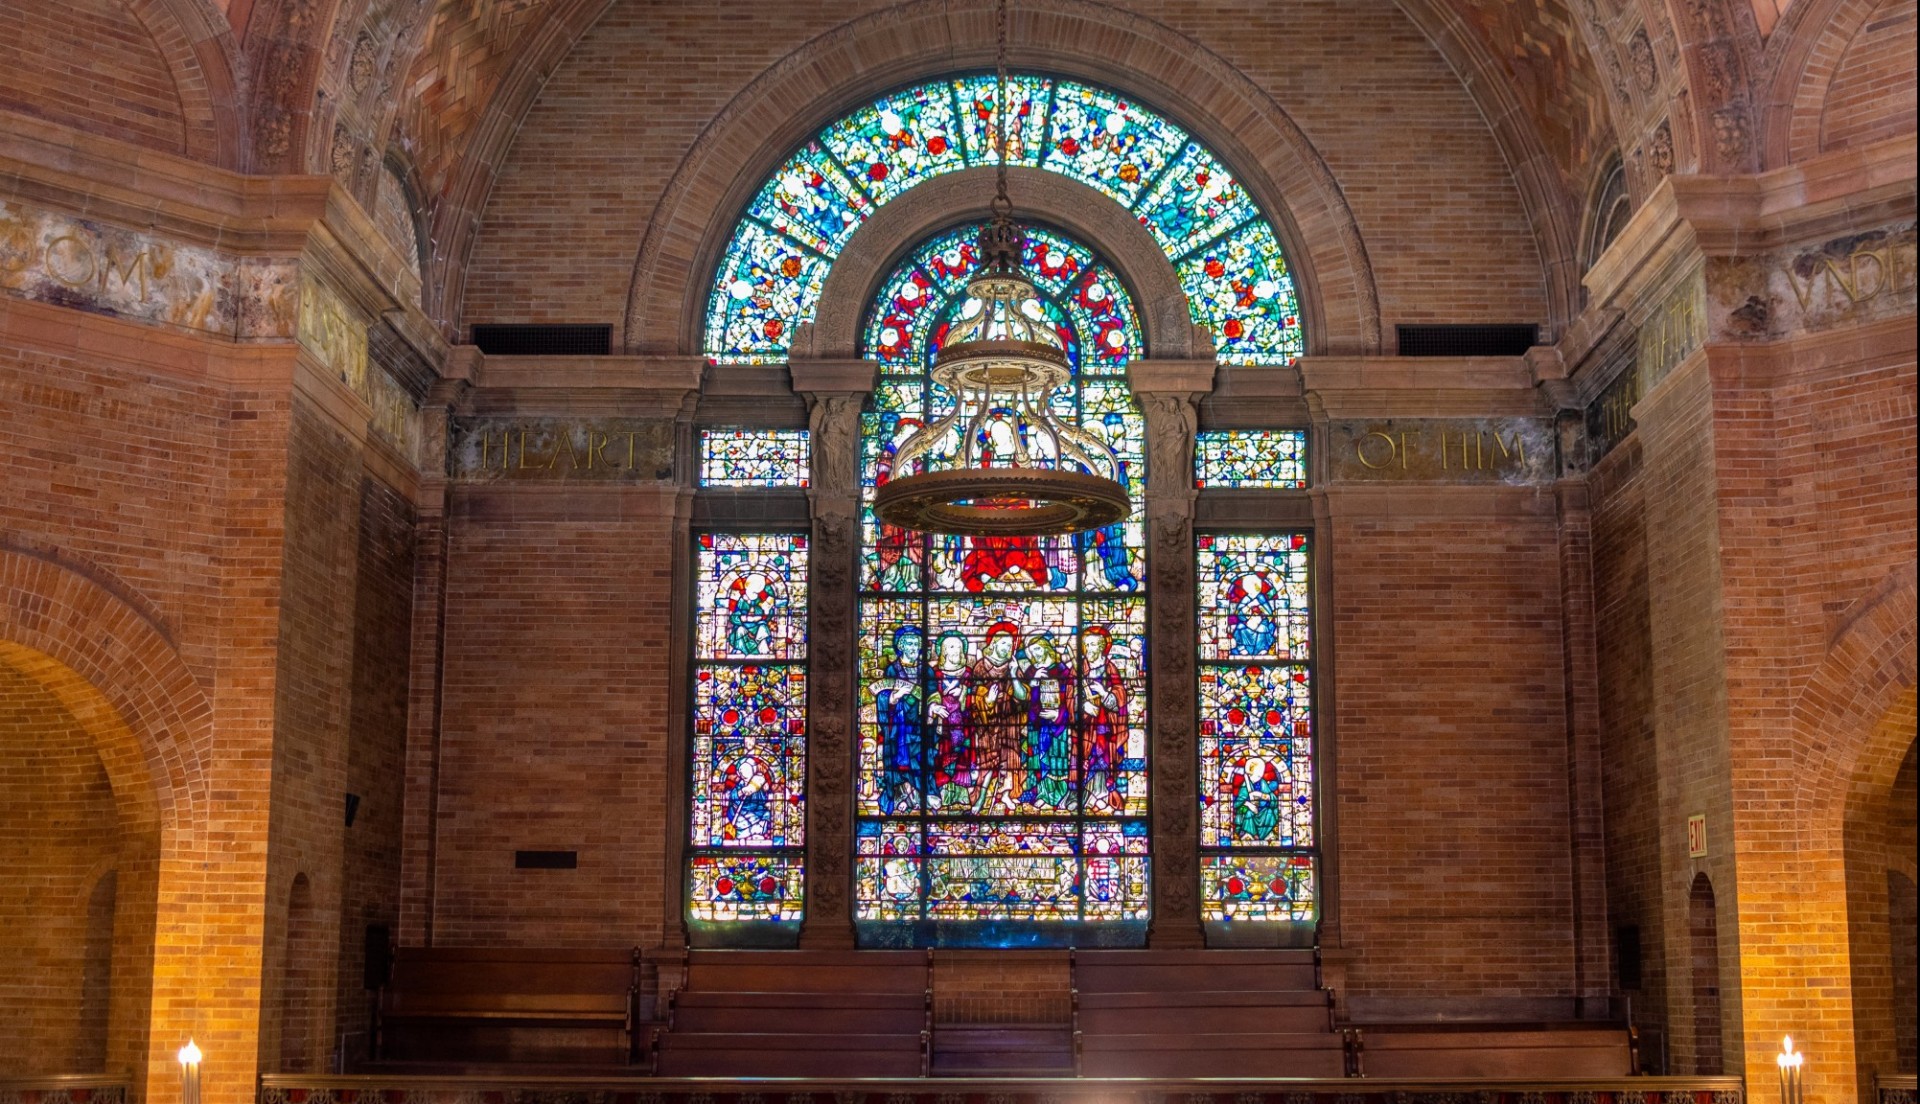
column 1347, row 387
column 635, row 385
column 191, row 203
column 1688, row 218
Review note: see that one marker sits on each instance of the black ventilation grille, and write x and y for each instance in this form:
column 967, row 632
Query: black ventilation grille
column 499, row 339
column 546, row 860
column 1461, row 341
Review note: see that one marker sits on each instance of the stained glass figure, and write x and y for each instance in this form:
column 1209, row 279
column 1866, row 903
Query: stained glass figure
column 1257, row 835
column 747, row 813
column 1212, row 231
column 754, row 458
column 1251, row 458
column 1002, row 776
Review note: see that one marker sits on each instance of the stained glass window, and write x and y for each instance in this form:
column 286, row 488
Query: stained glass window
column 1001, row 794
column 753, row 457
column 1256, row 728
column 1221, row 246
column 747, row 813
column 1250, row 458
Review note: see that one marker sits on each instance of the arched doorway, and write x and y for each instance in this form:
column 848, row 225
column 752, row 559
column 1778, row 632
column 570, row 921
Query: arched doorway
column 300, row 981
column 1703, row 941
column 75, row 945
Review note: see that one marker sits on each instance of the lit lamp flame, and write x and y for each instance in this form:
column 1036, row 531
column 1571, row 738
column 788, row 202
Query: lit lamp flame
column 189, row 1056
column 1789, row 1061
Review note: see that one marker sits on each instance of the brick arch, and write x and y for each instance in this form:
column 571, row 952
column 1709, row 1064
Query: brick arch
column 120, row 675
column 199, row 47
column 926, row 39
column 1867, row 673
column 1813, row 57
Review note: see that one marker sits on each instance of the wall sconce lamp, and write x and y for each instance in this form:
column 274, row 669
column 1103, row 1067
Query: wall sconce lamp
column 1789, row 1061
column 189, row 1073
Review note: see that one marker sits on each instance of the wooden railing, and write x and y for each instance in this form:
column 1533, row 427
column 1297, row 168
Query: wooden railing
column 66, row 1089
column 303, row 1089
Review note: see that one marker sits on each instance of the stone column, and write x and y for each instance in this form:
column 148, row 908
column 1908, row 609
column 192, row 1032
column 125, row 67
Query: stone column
column 420, row 816
column 835, row 392
column 1169, row 393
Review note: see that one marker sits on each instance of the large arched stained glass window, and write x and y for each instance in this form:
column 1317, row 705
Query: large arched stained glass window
column 1221, row 246
column 1002, row 783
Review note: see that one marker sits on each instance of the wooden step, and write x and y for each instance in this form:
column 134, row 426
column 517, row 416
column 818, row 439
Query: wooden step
column 1216, row 1062
column 1459, row 1051
column 1309, row 1014
column 807, row 971
column 1003, row 1050
column 1185, row 971
column 802, row 1014
column 780, row 1040
column 746, row 1055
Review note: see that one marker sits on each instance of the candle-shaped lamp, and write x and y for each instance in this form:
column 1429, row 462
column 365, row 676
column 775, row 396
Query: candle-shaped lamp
column 1789, row 1061
column 189, row 1073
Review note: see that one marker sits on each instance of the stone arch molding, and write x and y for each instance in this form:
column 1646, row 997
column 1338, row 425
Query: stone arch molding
column 928, row 39
column 119, row 674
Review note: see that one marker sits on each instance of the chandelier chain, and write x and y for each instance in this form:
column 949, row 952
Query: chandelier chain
column 1000, row 108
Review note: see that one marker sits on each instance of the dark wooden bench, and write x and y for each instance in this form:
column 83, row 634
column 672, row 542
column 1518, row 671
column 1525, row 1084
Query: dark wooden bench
column 475, row 1004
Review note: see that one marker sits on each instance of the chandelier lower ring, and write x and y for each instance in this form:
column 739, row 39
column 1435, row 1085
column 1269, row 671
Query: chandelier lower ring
column 1056, row 503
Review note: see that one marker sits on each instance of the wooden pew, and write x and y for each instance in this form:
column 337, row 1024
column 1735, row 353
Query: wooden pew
column 447, row 1005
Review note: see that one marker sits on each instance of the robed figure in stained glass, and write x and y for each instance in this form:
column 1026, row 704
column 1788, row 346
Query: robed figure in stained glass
column 1047, row 752
column 1106, row 728
column 1250, row 615
column 1256, row 791
column 751, row 601
column 997, row 714
column 897, row 704
column 744, row 783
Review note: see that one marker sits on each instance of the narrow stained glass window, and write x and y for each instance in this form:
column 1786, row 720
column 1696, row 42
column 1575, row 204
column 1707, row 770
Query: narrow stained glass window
column 1001, row 794
column 753, row 457
column 1251, row 458
column 1257, row 861
column 1210, row 228
column 747, row 815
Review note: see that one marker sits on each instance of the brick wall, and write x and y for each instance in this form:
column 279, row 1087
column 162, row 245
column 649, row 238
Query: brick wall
column 1872, row 94
column 978, row 987
column 1454, row 850
column 1630, row 778
column 59, row 831
column 89, row 64
column 1442, row 220
column 556, row 720
column 376, row 745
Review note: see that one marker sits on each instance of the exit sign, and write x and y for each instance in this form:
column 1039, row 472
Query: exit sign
column 1697, row 836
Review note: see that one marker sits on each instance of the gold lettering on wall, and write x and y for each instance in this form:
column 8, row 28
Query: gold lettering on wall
column 548, row 449
column 1512, row 450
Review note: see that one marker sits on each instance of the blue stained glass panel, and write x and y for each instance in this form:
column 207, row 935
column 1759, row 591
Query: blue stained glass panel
column 1257, row 802
column 747, row 762
column 1224, row 250
column 1194, row 202
column 754, row 458
column 811, row 200
column 1253, row 597
column 901, row 140
column 1239, row 287
column 1237, row 458
column 766, row 284
column 1256, row 757
column 1107, row 142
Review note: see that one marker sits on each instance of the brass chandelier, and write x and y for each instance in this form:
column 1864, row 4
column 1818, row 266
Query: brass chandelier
column 1017, row 469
